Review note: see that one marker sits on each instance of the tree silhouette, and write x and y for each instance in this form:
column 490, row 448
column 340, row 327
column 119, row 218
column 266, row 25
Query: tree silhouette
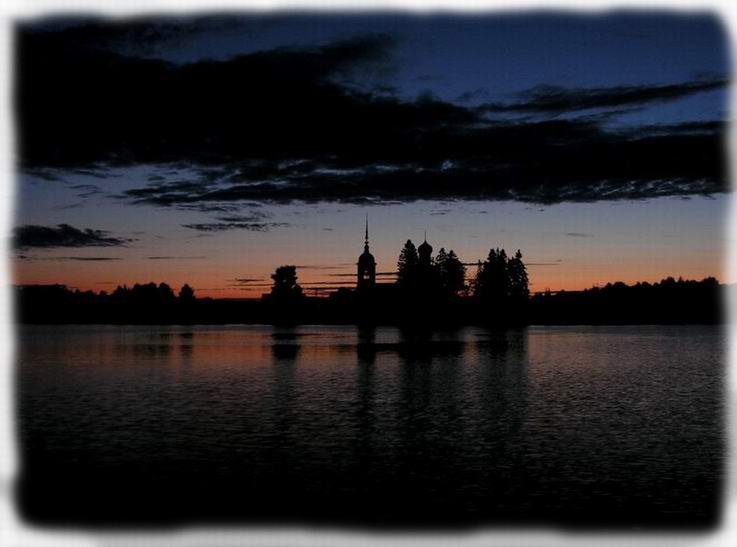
column 165, row 293
column 120, row 292
column 407, row 265
column 186, row 293
column 148, row 294
column 285, row 285
column 451, row 273
column 519, row 291
column 440, row 258
column 285, row 302
column 492, row 279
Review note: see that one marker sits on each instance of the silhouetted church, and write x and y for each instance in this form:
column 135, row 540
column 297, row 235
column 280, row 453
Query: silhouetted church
column 424, row 253
column 366, row 273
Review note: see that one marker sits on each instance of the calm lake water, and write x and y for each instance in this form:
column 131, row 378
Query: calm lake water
column 575, row 426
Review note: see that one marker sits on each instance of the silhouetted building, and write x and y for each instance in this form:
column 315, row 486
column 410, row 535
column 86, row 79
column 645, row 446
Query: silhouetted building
column 425, row 280
column 424, row 252
column 366, row 274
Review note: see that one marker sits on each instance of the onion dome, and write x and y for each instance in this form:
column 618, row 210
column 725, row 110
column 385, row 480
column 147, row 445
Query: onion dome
column 425, row 249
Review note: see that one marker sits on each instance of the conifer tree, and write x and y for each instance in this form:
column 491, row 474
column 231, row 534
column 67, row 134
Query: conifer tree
column 451, row 272
column 407, row 265
column 519, row 290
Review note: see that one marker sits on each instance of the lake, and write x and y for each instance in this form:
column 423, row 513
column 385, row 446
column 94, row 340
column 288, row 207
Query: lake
column 336, row 425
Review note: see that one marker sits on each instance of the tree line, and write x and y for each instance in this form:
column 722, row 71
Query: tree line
column 667, row 301
column 143, row 302
column 499, row 291
column 428, row 290
column 499, row 279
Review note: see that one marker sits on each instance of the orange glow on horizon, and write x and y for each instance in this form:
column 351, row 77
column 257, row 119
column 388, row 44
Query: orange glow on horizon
column 210, row 284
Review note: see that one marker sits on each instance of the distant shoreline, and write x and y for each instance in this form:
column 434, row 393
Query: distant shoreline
column 669, row 302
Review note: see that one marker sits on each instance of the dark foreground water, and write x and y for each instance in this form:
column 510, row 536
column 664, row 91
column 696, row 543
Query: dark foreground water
column 570, row 426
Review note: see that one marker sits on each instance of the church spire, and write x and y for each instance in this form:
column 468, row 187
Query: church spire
column 366, row 265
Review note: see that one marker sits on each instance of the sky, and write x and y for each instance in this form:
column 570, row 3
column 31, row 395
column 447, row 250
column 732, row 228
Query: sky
column 211, row 150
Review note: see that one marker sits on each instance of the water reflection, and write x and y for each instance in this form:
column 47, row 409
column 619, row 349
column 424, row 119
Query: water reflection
column 186, row 346
column 503, row 386
column 285, row 346
column 358, row 422
column 367, row 432
column 366, row 347
column 283, row 414
column 501, row 402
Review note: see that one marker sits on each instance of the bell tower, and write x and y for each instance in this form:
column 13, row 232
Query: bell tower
column 366, row 274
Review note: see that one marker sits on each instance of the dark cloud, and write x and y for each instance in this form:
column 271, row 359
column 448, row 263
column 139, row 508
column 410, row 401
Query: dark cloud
column 45, row 174
column 473, row 95
column 95, row 173
column 63, row 235
column 378, row 274
column 302, row 125
column 326, row 289
column 556, row 263
column 86, row 190
column 176, row 257
column 577, row 234
column 317, row 285
column 255, row 216
column 110, row 108
column 556, row 99
column 140, row 36
column 248, row 280
column 204, row 207
column 73, row 258
column 540, row 162
column 687, row 128
column 225, row 226
column 87, row 258
column 176, row 190
column 70, row 206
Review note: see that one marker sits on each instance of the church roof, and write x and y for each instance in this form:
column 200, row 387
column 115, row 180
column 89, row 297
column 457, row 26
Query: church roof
column 424, row 247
